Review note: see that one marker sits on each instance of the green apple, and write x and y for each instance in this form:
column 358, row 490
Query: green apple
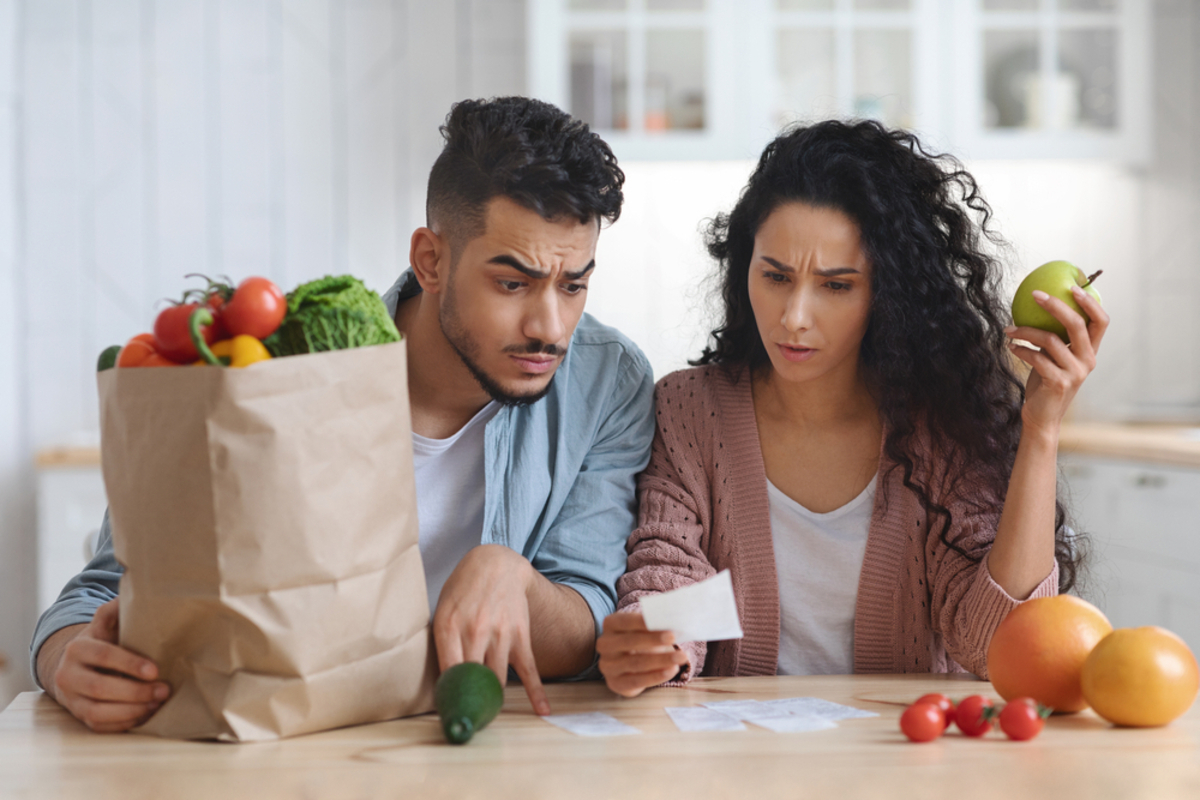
column 1055, row 278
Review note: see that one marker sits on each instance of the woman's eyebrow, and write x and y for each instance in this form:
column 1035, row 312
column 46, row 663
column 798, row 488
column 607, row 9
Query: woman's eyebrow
column 832, row 272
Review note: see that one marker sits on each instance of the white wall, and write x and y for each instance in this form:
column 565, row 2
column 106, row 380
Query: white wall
column 144, row 139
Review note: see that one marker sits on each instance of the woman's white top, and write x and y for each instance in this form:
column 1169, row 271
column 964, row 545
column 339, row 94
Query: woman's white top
column 818, row 558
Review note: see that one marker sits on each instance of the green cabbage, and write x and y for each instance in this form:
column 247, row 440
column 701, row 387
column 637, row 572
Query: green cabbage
column 332, row 313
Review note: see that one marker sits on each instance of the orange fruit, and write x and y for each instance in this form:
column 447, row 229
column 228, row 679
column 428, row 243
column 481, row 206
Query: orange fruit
column 1141, row 676
column 1038, row 650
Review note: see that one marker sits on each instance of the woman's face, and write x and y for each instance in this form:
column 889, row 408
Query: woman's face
column 810, row 288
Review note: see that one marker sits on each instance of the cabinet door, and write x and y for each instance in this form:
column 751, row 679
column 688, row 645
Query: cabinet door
column 71, row 503
column 1144, row 523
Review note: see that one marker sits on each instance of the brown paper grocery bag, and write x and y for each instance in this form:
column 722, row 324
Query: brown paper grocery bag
column 266, row 519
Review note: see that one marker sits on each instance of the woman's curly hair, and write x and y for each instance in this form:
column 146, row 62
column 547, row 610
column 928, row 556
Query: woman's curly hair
column 934, row 354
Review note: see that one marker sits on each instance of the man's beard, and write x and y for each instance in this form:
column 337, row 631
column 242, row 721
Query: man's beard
column 468, row 351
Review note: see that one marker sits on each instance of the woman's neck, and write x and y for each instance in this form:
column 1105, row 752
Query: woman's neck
column 833, row 399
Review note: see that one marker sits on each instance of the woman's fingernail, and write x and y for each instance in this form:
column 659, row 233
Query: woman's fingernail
column 1077, row 291
column 161, row 692
column 1010, row 330
column 1040, row 296
column 147, row 670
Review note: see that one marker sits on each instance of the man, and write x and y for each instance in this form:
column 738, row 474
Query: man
column 530, row 422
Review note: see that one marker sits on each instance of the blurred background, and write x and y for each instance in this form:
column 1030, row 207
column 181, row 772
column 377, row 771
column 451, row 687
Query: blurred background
column 141, row 140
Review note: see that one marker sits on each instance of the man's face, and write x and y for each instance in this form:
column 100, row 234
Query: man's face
column 514, row 297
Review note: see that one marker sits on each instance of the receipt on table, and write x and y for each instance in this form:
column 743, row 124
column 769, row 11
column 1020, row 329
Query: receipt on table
column 702, row 612
column 699, row 718
column 593, row 724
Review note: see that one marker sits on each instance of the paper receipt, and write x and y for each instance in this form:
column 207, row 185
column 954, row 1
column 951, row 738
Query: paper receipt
column 702, row 612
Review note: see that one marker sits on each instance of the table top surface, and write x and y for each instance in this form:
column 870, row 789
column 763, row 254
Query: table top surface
column 44, row 753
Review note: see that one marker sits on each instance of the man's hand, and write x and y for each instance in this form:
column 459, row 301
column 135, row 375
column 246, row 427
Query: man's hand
column 632, row 659
column 483, row 616
column 107, row 687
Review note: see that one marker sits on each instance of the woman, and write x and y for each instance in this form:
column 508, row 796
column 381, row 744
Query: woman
column 854, row 445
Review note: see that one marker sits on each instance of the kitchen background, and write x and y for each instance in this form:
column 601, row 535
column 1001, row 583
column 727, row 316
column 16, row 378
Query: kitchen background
column 141, row 140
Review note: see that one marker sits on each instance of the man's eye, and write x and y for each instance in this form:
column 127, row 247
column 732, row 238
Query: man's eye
column 575, row 288
column 511, row 286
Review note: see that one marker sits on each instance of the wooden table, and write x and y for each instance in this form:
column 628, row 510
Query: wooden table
column 44, row 753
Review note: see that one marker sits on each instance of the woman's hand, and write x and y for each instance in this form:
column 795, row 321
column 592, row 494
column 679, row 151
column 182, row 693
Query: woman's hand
column 632, row 659
column 1059, row 369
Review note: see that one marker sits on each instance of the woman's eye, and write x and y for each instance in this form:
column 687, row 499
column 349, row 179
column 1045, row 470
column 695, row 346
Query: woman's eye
column 838, row 286
column 776, row 277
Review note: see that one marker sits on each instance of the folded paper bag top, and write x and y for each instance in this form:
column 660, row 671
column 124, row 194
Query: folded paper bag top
column 266, row 520
column 703, row 612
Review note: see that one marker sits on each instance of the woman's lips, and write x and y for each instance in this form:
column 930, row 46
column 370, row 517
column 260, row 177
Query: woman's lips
column 796, row 353
column 535, row 365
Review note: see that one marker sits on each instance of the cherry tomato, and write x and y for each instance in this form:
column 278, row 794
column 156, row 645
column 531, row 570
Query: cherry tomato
column 941, row 701
column 172, row 337
column 973, row 715
column 1023, row 718
column 256, row 309
column 922, row 722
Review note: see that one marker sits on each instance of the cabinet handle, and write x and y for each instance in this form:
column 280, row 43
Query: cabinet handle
column 1149, row 480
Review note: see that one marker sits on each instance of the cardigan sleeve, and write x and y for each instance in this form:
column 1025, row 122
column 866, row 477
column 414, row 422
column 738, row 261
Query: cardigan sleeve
column 966, row 602
column 667, row 549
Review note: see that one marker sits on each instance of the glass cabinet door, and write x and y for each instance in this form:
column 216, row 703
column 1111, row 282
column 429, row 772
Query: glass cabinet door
column 1064, row 78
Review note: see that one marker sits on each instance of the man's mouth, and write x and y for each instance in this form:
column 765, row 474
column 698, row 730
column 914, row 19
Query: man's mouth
column 535, row 364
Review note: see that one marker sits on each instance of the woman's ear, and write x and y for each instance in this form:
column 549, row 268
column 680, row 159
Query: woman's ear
column 429, row 256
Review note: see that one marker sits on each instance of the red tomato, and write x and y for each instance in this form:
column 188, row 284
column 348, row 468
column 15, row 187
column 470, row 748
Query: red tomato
column 1023, row 718
column 922, row 722
column 173, row 338
column 941, row 701
column 973, row 715
column 216, row 304
column 256, row 309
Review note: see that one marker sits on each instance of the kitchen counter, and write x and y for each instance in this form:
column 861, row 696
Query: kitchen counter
column 1167, row 445
column 44, row 753
column 1177, row 445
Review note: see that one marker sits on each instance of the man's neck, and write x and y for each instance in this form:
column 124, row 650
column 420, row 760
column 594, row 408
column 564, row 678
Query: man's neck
column 442, row 392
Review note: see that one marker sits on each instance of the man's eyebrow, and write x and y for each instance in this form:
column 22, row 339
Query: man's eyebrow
column 833, row 272
column 509, row 261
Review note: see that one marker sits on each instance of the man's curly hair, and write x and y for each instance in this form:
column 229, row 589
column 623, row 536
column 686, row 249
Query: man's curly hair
column 526, row 150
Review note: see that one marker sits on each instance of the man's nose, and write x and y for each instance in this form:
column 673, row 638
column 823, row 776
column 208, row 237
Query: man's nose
column 543, row 321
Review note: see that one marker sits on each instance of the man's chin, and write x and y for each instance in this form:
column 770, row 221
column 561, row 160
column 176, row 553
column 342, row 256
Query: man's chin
column 516, row 392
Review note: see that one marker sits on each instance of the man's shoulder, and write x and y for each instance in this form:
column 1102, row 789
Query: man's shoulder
column 596, row 346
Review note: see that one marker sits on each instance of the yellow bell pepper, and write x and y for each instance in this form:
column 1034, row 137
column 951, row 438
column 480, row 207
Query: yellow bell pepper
column 242, row 351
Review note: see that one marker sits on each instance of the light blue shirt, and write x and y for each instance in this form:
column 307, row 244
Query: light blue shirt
column 559, row 477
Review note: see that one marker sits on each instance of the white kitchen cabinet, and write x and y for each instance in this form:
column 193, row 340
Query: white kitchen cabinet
column 1144, row 522
column 70, row 508
column 715, row 79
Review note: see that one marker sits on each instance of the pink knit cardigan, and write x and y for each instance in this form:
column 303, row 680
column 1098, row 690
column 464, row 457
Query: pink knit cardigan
column 921, row 606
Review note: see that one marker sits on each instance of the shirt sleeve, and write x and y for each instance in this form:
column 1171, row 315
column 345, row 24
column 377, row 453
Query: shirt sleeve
column 666, row 550
column 93, row 587
column 967, row 603
column 584, row 547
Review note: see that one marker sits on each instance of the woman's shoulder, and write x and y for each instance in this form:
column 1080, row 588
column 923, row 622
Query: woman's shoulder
column 704, row 402
column 701, row 385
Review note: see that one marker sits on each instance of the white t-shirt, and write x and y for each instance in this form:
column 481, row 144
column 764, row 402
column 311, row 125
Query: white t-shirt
column 818, row 558
column 450, row 481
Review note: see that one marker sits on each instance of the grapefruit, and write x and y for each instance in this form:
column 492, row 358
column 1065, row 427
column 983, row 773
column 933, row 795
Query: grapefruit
column 1141, row 677
column 1038, row 650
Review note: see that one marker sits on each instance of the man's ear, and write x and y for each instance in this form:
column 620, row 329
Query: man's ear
column 429, row 255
